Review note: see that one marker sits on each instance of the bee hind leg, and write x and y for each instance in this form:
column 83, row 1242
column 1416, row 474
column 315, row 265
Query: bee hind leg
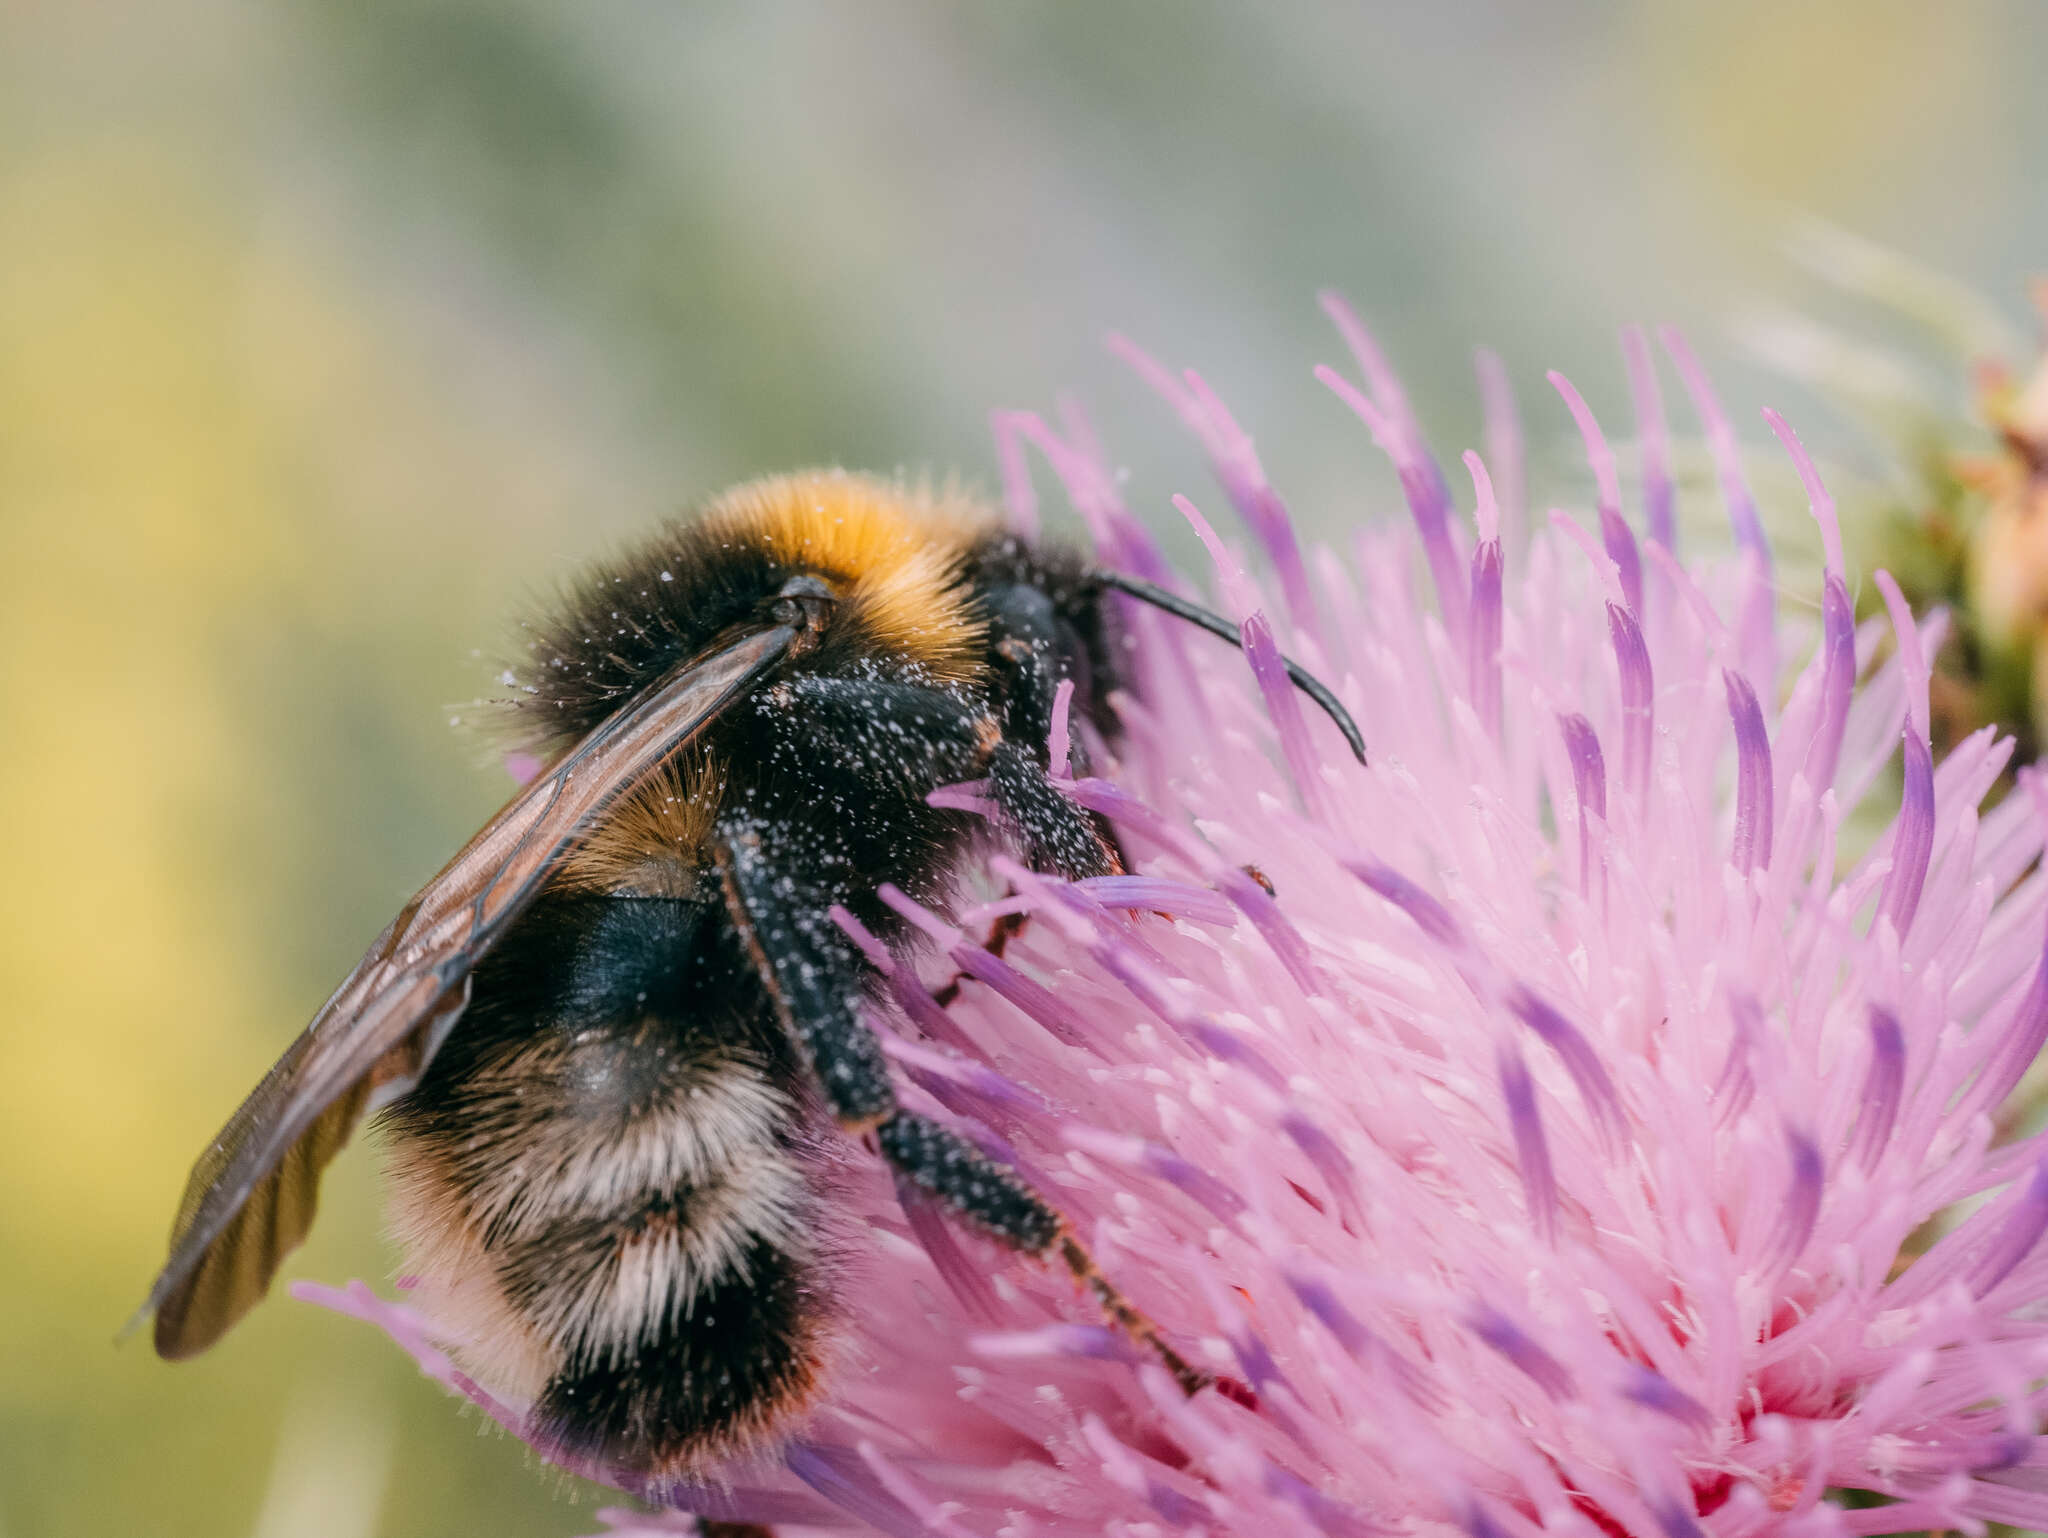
column 812, row 974
column 994, row 1200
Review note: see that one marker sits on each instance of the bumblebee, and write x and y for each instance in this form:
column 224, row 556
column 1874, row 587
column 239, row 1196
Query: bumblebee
column 611, row 1041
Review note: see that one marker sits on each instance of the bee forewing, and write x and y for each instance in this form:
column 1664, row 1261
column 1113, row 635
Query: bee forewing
column 251, row 1196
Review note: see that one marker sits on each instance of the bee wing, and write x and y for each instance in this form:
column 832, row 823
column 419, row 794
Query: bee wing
column 251, row 1196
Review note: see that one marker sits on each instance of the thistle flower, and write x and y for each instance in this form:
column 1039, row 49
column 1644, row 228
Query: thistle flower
column 1547, row 1128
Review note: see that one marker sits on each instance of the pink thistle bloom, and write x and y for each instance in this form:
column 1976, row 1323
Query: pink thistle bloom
column 1573, row 1140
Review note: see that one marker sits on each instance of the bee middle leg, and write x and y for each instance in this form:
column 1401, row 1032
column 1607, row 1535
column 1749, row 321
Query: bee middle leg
column 1058, row 835
column 916, row 734
column 812, row 974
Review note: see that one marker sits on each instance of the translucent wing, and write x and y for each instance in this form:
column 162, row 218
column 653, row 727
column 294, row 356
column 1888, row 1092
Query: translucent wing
column 251, row 1196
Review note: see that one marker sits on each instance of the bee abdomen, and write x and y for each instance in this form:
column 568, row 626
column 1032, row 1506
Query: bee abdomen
column 744, row 1357
column 598, row 1286
column 618, row 1222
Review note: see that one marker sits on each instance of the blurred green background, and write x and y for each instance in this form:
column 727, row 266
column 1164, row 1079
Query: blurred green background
column 328, row 331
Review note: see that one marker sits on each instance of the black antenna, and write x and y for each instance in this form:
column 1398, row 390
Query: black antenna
column 1217, row 625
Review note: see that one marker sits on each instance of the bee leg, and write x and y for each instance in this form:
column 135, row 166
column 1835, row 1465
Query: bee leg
column 812, row 975
column 993, row 1199
column 924, row 737
column 1058, row 835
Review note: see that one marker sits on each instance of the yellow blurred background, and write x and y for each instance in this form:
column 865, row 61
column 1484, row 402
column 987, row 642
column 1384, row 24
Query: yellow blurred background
column 330, row 332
